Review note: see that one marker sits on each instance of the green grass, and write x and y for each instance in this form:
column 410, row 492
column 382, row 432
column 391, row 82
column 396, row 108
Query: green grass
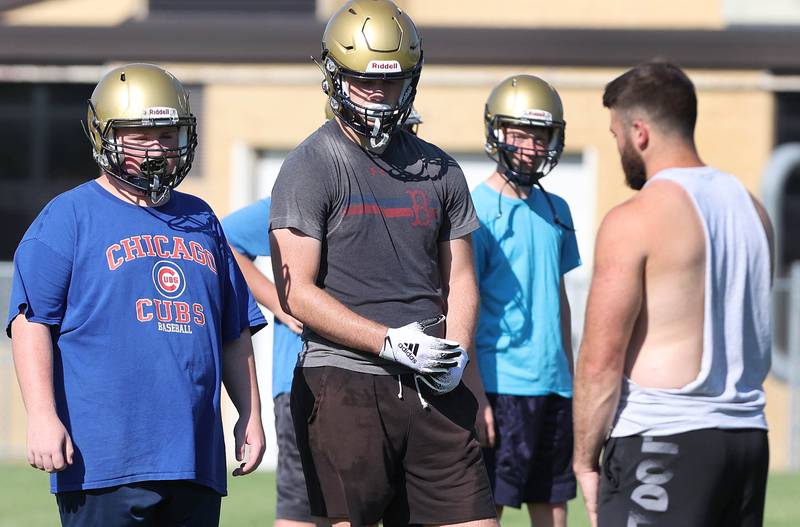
column 25, row 501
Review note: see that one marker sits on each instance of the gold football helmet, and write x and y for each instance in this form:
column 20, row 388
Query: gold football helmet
column 142, row 96
column 523, row 101
column 370, row 40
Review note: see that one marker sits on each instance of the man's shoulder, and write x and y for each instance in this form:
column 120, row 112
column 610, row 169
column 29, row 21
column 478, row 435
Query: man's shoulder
column 68, row 204
column 432, row 162
column 659, row 203
column 190, row 204
column 484, row 198
column 84, row 191
column 428, row 150
column 316, row 147
column 624, row 218
column 638, row 221
column 57, row 222
column 556, row 199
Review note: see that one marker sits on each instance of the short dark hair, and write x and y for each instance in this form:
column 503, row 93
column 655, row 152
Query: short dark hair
column 662, row 90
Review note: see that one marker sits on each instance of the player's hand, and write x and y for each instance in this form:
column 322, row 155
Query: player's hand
column 49, row 444
column 589, row 480
column 250, row 444
column 484, row 423
column 289, row 321
column 411, row 347
column 443, row 382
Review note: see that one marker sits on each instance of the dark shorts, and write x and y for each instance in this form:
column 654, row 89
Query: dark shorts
column 369, row 455
column 532, row 458
column 292, row 493
column 704, row 478
column 149, row 503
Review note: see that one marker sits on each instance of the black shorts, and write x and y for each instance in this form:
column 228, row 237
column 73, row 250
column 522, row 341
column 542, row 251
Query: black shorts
column 292, row 494
column 703, row 478
column 143, row 504
column 369, row 455
column 532, row 458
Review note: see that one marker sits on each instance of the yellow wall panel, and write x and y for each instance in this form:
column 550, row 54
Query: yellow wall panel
column 75, row 13
column 634, row 14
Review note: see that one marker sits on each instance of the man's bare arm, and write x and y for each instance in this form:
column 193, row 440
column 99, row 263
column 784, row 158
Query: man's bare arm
column 461, row 291
column 264, row 291
column 239, row 377
column 295, row 264
column 458, row 276
column 615, row 299
column 49, row 444
column 566, row 326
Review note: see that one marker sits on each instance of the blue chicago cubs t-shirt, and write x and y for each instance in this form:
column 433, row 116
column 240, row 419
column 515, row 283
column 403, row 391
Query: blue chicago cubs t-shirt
column 247, row 231
column 520, row 257
column 141, row 301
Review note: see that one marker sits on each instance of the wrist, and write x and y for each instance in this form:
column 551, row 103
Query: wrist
column 582, row 467
column 42, row 414
column 44, row 407
column 378, row 336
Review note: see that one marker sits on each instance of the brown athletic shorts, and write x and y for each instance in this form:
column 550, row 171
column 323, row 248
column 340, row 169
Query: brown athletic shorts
column 369, row 455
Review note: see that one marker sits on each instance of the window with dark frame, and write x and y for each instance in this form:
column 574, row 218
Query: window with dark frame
column 43, row 151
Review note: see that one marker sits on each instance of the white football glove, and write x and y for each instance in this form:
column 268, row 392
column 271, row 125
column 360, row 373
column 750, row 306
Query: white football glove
column 422, row 353
column 446, row 381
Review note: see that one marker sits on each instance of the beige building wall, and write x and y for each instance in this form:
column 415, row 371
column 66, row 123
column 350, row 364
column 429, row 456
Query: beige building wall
column 698, row 14
column 75, row 13
column 685, row 14
column 266, row 112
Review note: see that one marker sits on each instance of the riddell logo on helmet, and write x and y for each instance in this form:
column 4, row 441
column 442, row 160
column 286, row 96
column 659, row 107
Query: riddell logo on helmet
column 383, row 66
column 539, row 115
column 160, row 112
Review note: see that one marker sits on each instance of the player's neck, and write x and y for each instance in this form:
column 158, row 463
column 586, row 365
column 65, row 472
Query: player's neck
column 500, row 184
column 120, row 190
column 676, row 155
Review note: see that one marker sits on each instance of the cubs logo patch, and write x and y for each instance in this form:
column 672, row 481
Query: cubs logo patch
column 169, row 279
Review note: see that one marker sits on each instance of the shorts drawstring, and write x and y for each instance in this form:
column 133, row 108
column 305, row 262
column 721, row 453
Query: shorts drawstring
column 422, row 400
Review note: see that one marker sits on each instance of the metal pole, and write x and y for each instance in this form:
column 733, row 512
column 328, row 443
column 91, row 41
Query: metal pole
column 793, row 324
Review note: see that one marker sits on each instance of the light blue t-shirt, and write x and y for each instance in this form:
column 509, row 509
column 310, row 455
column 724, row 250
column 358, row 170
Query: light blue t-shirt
column 520, row 258
column 247, row 231
column 141, row 301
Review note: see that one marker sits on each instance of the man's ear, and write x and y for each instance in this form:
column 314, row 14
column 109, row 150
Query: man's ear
column 640, row 134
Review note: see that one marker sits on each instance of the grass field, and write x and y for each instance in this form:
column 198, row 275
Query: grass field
column 26, row 502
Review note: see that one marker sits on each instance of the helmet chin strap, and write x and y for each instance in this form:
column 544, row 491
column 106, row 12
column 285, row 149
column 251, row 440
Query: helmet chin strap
column 155, row 169
column 384, row 137
column 514, row 178
column 158, row 195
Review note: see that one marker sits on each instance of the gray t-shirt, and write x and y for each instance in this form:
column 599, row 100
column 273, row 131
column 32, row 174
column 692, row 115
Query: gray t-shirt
column 380, row 219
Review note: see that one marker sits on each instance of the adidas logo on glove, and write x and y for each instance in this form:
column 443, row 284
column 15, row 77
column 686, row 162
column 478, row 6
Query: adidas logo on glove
column 410, row 350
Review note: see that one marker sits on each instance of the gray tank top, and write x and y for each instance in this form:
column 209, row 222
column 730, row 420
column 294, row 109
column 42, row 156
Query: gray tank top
column 728, row 392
